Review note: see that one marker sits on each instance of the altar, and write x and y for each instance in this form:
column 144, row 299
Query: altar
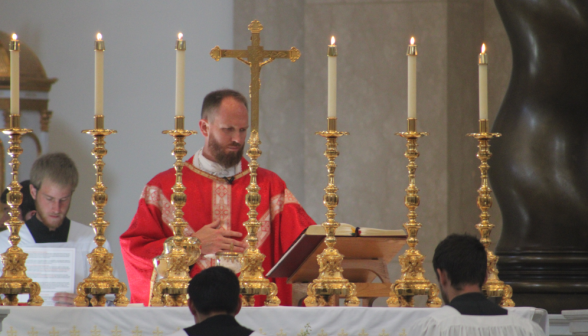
column 270, row 321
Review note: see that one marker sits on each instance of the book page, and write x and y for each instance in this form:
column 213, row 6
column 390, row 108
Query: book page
column 54, row 270
column 343, row 230
column 373, row 232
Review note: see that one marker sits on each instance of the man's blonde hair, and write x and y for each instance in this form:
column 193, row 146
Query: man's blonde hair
column 58, row 167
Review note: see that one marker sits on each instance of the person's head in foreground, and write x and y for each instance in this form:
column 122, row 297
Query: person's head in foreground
column 214, row 291
column 214, row 301
column 460, row 264
column 224, row 122
column 27, row 207
column 54, row 178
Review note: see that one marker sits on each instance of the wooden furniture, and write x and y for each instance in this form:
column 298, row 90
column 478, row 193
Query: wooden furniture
column 366, row 258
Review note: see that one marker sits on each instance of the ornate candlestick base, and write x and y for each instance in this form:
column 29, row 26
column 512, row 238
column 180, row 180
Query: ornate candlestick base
column 179, row 251
column 412, row 282
column 101, row 281
column 330, row 282
column 14, row 279
column 251, row 279
column 493, row 287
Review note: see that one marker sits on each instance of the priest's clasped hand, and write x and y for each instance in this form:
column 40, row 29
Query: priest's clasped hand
column 214, row 238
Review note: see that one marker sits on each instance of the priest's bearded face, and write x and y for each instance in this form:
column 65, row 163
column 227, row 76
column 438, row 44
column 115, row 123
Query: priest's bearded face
column 226, row 132
column 52, row 201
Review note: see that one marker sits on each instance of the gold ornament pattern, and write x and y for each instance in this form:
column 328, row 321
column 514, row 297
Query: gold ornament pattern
column 116, row 331
column 33, row 332
column 74, row 332
column 95, row 331
column 12, row 332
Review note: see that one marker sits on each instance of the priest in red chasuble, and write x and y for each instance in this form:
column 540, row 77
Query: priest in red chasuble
column 215, row 179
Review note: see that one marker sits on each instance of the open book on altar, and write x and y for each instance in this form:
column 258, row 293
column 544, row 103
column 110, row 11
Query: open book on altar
column 367, row 251
column 351, row 231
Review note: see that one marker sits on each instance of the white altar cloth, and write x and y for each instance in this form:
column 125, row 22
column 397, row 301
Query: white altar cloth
column 270, row 321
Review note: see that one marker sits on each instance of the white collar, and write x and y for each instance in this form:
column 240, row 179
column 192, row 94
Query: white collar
column 214, row 168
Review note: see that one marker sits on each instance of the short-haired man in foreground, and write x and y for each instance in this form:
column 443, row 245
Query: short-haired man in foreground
column 214, row 301
column 460, row 265
column 54, row 178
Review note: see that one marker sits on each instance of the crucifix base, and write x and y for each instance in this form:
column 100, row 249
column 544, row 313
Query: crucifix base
column 253, row 282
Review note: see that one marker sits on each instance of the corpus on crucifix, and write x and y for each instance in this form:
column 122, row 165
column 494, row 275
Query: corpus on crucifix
column 255, row 56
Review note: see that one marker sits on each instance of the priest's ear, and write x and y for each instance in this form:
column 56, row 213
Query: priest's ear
column 33, row 191
column 204, row 127
column 239, row 305
column 443, row 277
column 192, row 308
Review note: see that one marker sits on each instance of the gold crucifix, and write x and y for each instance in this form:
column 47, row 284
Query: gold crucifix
column 255, row 57
column 252, row 280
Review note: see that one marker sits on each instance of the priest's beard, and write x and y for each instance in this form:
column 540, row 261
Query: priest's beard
column 227, row 160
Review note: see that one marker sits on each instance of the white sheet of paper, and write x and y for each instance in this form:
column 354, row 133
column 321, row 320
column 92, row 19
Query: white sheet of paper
column 53, row 268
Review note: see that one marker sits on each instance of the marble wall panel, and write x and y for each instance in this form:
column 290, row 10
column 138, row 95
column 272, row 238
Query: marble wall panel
column 282, row 85
column 464, row 39
column 371, row 173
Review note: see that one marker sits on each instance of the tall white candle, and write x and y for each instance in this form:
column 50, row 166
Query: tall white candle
column 332, row 83
column 180, row 74
column 14, row 47
column 99, row 75
column 412, row 84
column 483, row 82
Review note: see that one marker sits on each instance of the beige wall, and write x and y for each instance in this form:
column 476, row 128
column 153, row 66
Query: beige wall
column 372, row 37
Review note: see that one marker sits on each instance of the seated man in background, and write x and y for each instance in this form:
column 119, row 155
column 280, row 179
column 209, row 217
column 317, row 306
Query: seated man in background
column 27, row 207
column 214, row 301
column 460, row 264
column 54, row 178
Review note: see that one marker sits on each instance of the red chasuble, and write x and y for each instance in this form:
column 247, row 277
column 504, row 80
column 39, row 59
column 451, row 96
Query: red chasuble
column 210, row 198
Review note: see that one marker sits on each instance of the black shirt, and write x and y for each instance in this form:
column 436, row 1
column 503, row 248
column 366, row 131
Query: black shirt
column 41, row 233
column 476, row 304
column 219, row 325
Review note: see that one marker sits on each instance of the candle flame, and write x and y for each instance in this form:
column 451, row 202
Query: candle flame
column 180, row 36
column 412, row 40
column 98, row 37
column 332, row 40
column 483, row 48
column 14, row 37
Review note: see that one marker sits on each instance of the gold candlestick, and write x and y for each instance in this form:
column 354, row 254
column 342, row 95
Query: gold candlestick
column 493, row 287
column 179, row 251
column 255, row 57
column 331, row 282
column 252, row 280
column 14, row 279
column 412, row 282
column 101, row 281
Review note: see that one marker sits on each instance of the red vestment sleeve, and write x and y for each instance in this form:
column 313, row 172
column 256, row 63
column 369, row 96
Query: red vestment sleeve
column 288, row 221
column 289, row 224
column 142, row 242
